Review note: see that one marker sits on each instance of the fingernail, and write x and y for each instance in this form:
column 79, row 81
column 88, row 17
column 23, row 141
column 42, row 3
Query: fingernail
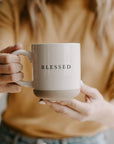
column 42, row 102
column 81, row 83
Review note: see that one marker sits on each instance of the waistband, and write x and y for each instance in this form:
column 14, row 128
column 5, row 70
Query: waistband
column 14, row 137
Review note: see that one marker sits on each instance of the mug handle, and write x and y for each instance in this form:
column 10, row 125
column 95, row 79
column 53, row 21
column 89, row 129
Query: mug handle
column 29, row 56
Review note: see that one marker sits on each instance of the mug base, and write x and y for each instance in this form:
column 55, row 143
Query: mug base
column 56, row 95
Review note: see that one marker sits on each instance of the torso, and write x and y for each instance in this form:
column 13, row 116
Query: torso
column 71, row 23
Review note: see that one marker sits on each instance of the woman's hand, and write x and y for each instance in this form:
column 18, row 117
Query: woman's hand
column 10, row 70
column 95, row 108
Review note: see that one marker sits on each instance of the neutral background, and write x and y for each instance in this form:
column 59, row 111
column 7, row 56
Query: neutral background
column 108, row 134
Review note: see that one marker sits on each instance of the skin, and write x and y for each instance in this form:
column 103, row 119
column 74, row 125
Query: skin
column 10, row 70
column 95, row 108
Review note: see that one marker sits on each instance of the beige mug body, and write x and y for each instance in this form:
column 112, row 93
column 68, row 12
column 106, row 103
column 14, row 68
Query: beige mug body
column 56, row 70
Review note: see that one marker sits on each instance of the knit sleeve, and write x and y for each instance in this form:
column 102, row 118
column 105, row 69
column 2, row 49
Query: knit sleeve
column 111, row 85
column 7, row 27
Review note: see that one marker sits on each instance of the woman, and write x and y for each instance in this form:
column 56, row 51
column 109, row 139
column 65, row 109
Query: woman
column 90, row 23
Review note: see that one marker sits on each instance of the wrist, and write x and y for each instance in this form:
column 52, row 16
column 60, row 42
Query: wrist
column 108, row 115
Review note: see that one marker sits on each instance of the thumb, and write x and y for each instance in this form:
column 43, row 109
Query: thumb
column 11, row 49
column 89, row 91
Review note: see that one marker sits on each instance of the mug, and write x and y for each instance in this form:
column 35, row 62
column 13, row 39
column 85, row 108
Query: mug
column 56, row 70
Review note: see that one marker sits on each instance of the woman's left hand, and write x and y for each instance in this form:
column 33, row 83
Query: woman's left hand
column 95, row 108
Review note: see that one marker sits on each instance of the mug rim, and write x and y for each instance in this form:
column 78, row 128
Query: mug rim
column 56, row 44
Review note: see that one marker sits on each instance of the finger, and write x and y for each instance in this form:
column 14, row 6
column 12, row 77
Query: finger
column 11, row 49
column 10, row 88
column 64, row 110
column 87, row 99
column 9, row 58
column 10, row 68
column 11, row 77
column 76, row 105
column 89, row 91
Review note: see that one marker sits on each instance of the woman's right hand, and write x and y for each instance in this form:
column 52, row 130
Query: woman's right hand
column 10, row 70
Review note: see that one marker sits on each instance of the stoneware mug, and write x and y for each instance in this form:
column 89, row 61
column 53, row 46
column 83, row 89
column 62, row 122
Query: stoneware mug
column 56, row 70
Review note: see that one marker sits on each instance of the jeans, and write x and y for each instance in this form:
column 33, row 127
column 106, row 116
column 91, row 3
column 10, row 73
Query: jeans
column 8, row 136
